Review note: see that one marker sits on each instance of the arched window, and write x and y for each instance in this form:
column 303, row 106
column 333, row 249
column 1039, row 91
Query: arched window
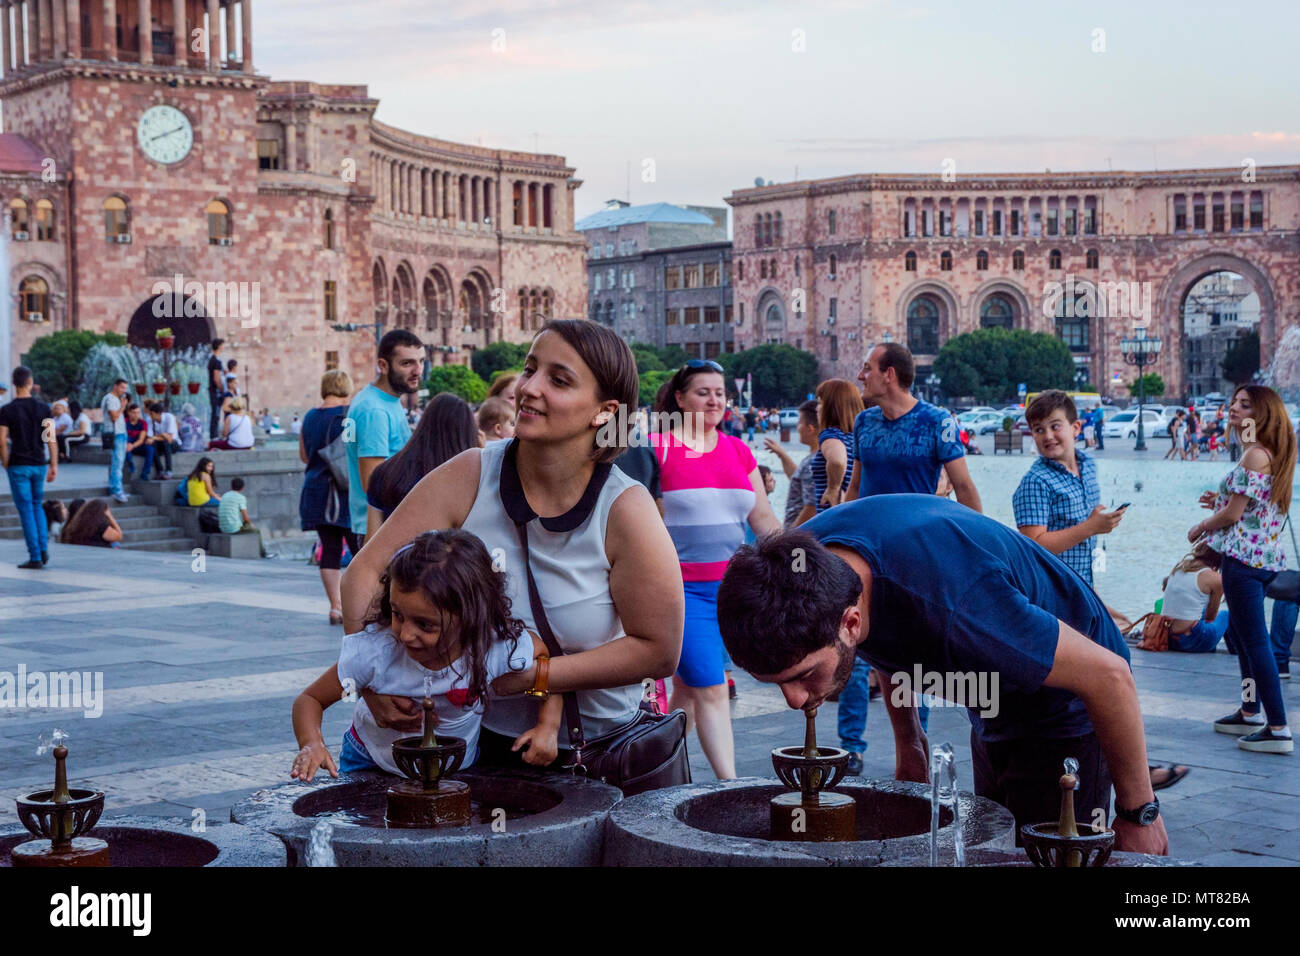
column 923, row 325
column 778, row 228
column 1073, row 315
column 34, row 299
column 1091, row 259
column 740, row 270
column 997, row 311
column 758, row 229
column 762, row 268
column 218, row 223
column 1054, row 259
column 909, row 261
column 115, row 219
column 834, row 263
column 771, row 268
column 523, row 308
column 767, row 229
column 1018, row 260
column 329, row 228
column 18, row 216
column 798, row 269
column 44, row 220
column 945, row 261
column 982, row 261
column 548, row 297
column 830, row 222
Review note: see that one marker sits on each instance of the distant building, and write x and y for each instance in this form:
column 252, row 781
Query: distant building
column 1218, row 311
column 661, row 274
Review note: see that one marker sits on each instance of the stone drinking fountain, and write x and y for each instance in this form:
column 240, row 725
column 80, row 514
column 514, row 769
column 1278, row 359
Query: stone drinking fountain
column 1062, row 842
column 751, row 822
column 483, row 817
column 60, row 821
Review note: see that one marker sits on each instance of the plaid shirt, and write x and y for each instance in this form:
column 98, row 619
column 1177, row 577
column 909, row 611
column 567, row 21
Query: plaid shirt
column 1049, row 495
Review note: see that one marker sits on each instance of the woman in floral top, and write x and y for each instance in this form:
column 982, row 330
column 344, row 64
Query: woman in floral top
column 1249, row 511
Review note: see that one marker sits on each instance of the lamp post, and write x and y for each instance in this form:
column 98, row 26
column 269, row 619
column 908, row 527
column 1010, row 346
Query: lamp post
column 1140, row 351
column 357, row 326
column 934, row 382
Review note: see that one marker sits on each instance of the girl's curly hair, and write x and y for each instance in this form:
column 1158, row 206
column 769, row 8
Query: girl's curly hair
column 455, row 573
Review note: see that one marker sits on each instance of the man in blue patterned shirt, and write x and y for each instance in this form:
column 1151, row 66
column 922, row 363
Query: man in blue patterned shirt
column 1058, row 501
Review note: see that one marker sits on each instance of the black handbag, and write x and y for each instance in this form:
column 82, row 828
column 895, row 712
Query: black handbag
column 648, row 753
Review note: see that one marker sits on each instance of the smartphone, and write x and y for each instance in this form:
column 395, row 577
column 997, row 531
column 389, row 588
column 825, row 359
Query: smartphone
column 1123, row 506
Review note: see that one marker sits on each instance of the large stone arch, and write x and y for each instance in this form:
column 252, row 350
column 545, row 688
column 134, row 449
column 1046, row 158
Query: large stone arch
column 770, row 298
column 948, row 308
column 438, row 303
column 1024, row 317
column 1173, row 292
column 186, row 317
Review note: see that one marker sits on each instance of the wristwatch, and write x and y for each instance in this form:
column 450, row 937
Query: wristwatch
column 542, row 681
column 1143, row 816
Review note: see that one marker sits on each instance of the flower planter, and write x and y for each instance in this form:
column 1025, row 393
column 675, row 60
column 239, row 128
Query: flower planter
column 139, row 388
column 193, row 387
column 167, row 342
column 159, row 387
column 174, row 388
column 1008, row 442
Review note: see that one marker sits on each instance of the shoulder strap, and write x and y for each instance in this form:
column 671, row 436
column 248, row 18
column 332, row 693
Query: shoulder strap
column 572, row 717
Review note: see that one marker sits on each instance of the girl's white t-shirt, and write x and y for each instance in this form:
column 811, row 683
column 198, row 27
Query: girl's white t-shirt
column 374, row 659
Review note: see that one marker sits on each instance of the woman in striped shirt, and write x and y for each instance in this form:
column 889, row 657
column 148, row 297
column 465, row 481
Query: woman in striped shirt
column 711, row 489
column 838, row 403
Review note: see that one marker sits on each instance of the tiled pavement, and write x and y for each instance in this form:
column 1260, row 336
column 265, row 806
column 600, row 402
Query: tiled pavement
column 200, row 669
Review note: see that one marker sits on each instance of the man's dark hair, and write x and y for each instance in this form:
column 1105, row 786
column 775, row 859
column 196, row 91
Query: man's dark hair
column 897, row 356
column 808, row 412
column 233, row 363
column 1042, row 407
column 152, row 407
column 236, row 484
column 395, row 339
column 118, row 381
column 22, row 376
column 781, row 599
column 217, row 343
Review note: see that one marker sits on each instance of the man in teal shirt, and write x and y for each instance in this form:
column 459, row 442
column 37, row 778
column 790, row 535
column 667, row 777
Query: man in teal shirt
column 376, row 420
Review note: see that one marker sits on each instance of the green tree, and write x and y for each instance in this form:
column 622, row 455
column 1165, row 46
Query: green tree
column 783, row 375
column 673, row 356
column 498, row 357
column 1153, row 386
column 457, row 379
column 650, row 384
column 988, row 364
column 647, row 358
column 1242, row 359
column 55, row 360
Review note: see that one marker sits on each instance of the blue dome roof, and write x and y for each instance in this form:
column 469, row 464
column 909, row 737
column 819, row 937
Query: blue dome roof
column 651, row 212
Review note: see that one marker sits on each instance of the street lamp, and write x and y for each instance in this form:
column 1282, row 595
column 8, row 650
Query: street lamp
column 933, row 381
column 358, row 326
column 1140, row 351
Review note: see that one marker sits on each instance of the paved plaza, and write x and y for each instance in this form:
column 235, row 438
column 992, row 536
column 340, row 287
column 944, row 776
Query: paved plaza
column 200, row 669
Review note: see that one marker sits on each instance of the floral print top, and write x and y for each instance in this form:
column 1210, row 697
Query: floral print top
column 1255, row 539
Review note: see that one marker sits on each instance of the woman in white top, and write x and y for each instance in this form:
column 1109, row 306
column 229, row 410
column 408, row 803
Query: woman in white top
column 236, row 430
column 605, row 567
column 1193, row 593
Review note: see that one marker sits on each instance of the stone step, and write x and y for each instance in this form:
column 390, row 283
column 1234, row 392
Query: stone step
column 9, row 514
column 171, row 544
column 63, row 494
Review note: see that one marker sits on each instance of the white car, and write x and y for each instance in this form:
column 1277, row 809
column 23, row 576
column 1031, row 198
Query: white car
column 1124, row 424
column 790, row 418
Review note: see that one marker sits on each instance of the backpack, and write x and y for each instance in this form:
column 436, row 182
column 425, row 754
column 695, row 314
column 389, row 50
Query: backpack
column 1155, row 632
column 181, row 498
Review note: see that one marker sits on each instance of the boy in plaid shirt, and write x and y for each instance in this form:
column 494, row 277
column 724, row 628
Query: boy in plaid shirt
column 1057, row 502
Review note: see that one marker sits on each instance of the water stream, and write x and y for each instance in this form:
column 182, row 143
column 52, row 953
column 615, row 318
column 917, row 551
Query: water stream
column 943, row 767
column 320, row 851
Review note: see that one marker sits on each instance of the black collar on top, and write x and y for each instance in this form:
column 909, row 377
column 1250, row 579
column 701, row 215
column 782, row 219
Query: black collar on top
column 516, row 502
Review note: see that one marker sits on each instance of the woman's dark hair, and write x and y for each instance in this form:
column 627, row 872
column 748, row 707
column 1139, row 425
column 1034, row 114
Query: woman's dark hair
column 453, row 570
column 74, row 506
column 55, row 511
column 200, row 467
column 74, row 408
column 612, row 363
column 781, row 599
column 87, row 525
column 666, row 398
column 447, row 428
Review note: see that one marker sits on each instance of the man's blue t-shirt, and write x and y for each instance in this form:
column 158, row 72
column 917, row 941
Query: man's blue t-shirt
column 956, row 592
column 379, row 430
column 904, row 455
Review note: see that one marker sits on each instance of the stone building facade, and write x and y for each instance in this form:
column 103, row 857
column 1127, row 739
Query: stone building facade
column 661, row 274
column 283, row 208
column 834, row 265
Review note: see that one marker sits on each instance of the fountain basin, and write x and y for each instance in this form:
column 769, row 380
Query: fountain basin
column 548, row 819
column 160, row 841
column 727, row 823
column 989, row 856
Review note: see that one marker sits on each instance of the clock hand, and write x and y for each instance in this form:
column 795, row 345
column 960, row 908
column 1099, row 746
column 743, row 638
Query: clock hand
column 178, row 129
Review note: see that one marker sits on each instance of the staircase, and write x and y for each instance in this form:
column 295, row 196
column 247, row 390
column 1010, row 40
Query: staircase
column 144, row 527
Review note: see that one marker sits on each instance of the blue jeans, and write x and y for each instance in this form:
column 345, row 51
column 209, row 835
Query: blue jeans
column 354, row 756
column 1283, row 630
column 1203, row 638
column 27, row 484
column 146, row 452
column 851, row 718
column 115, row 465
column 1243, row 588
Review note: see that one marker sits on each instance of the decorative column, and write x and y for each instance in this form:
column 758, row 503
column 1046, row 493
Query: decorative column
column 145, row 31
column 290, row 146
column 214, row 36
column 44, row 42
column 33, row 31
column 6, row 37
column 473, row 199
column 230, row 31
column 73, row 25
column 246, row 33
column 110, row 29
column 60, row 25
column 424, row 193
column 437, row 194
column 180, row 34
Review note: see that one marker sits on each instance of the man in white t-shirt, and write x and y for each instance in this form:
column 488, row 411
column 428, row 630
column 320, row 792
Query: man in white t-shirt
column 114, row 422
column 165, row 435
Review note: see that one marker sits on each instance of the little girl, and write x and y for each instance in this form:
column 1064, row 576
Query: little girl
column 440, row 626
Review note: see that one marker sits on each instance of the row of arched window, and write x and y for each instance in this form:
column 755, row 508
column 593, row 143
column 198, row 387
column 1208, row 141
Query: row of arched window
column 1091, row 260
column 38, row 219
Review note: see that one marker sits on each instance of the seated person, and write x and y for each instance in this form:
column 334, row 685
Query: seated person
column 165, row 437
column 1193, row 593
column 93, row 524
column 193, row 433
column 200, row 485
column 236, row 430
column 232, row 513
column 137, row 441
column 81, row 429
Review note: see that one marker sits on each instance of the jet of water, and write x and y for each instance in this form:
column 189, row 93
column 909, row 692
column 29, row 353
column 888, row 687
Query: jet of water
column 428, row 685
column 943, row 768
column 46, row 743
column 320, row 849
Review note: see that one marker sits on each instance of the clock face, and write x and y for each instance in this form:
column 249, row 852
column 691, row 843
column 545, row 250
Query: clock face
column 165, row 134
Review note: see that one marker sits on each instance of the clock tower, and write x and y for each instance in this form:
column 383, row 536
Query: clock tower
column 144, row 113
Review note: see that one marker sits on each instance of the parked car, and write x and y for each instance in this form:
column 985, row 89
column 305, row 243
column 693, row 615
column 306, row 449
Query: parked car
column 981, row 423
column 1124, row 425
column 790, row 418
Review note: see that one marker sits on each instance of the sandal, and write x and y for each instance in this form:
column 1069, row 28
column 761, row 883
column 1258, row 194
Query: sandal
column 1175, row 773
column 336, row 616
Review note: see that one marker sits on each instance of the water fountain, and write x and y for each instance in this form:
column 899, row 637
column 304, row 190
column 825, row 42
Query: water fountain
column 1283, row 373
column 1061, row 843
column 426, row 799
column 944, row 765
column 60, row 821
column 812, row 813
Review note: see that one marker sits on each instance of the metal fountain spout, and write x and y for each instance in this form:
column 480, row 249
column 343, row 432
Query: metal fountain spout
column 812, row 813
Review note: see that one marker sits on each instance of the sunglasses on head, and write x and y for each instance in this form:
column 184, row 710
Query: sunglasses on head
column 703, row 363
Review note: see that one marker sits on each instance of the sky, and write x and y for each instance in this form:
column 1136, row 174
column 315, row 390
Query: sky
column 687, row 100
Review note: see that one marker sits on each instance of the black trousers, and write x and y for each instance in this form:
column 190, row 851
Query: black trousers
column 214, row 424
column 1024, row 776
